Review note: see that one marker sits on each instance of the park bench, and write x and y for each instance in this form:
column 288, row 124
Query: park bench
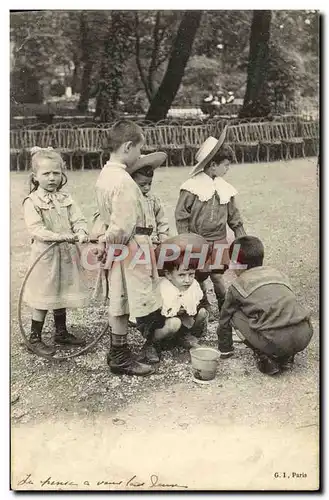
column 192, row 137
column 269, row 138
column 164, row 137
column 23, row 140
column 15, row 147
column 175, row 139
column 290, row 139
column 244, row 138
column 310, row 134
column 63, row 141
column 87, row 141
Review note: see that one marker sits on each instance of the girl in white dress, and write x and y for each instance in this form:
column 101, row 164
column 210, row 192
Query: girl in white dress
column 51, row 215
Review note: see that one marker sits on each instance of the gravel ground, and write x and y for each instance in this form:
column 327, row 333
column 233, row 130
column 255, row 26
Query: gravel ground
column 279, row 203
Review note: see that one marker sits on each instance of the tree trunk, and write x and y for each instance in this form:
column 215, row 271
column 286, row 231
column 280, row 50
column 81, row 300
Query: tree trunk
column 110, row 84
column 76, row 84
column 85, row 87
column 256, row 103
column 87, row 65
column 176, row 66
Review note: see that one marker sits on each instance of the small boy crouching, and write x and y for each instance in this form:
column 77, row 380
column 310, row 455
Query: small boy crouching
column 185, row 318
column 262, row 307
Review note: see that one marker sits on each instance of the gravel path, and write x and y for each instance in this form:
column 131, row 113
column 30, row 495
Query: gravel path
column 77, row 394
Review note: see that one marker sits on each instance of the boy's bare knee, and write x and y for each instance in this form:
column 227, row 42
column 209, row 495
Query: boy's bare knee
column 173, row 324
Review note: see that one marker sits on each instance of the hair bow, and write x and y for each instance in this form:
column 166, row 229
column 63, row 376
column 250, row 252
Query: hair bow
column 36, row 149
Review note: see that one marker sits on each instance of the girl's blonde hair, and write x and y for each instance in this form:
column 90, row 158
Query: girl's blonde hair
column 38, row 153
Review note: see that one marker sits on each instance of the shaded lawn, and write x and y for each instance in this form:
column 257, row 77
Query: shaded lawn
column 279, row 203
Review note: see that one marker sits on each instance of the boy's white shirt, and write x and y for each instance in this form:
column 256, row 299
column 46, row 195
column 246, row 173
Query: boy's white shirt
column 204, row 187
column 173, row 299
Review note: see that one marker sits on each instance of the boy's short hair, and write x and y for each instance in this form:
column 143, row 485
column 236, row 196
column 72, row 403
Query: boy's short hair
column 121, row 132
column 251, row 251
column 224, row 153
column 177, row 263
column 146, row 171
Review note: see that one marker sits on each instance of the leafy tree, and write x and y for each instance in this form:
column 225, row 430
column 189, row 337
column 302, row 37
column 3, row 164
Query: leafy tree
column 179, row 56
column 153, row 36
column 43, row 40
column 25, row 87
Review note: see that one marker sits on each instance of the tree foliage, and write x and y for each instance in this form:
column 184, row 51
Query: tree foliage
column 80, row 49
column 179, row 56
column 154, row 34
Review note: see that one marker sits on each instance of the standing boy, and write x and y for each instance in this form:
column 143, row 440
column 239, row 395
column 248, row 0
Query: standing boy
column 134, row 284
column 206, row 205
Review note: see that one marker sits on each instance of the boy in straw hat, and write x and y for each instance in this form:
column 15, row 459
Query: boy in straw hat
column 142, row 173
column 206, row 205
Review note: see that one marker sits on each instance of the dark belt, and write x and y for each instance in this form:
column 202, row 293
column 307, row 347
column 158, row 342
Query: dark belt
column 144, row 230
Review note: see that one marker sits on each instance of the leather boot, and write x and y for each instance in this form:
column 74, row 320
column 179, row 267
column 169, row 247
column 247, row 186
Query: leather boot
column 35, row 340
column 121, row 362
column 62, row 336
column 151, row 350
column 285, row 362
column 150, row 353
column 265, row 364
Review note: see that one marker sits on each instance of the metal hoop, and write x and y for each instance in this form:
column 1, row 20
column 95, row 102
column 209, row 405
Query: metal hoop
column 22, row 330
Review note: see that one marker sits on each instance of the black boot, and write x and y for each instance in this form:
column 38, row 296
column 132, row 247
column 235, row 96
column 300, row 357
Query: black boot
column 121, row 362
column 147, row 325
column 62, row 336
column 36, row 342
column 265, row 364
column 285, row 362
column 150, row 352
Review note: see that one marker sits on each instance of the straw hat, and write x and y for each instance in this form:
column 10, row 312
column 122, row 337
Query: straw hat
column 207, row 151
column 153, row 160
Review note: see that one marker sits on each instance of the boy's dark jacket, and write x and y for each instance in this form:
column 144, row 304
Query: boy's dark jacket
column 265, row 297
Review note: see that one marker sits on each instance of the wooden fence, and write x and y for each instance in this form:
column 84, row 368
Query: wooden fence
column 253, row 141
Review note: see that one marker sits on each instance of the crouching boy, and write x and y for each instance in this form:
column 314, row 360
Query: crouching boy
column 185, row 320
column 262, row 307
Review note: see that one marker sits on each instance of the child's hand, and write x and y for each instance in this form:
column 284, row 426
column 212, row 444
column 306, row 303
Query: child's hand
column 99, row 252
column 67, row 237
column 83, row 237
